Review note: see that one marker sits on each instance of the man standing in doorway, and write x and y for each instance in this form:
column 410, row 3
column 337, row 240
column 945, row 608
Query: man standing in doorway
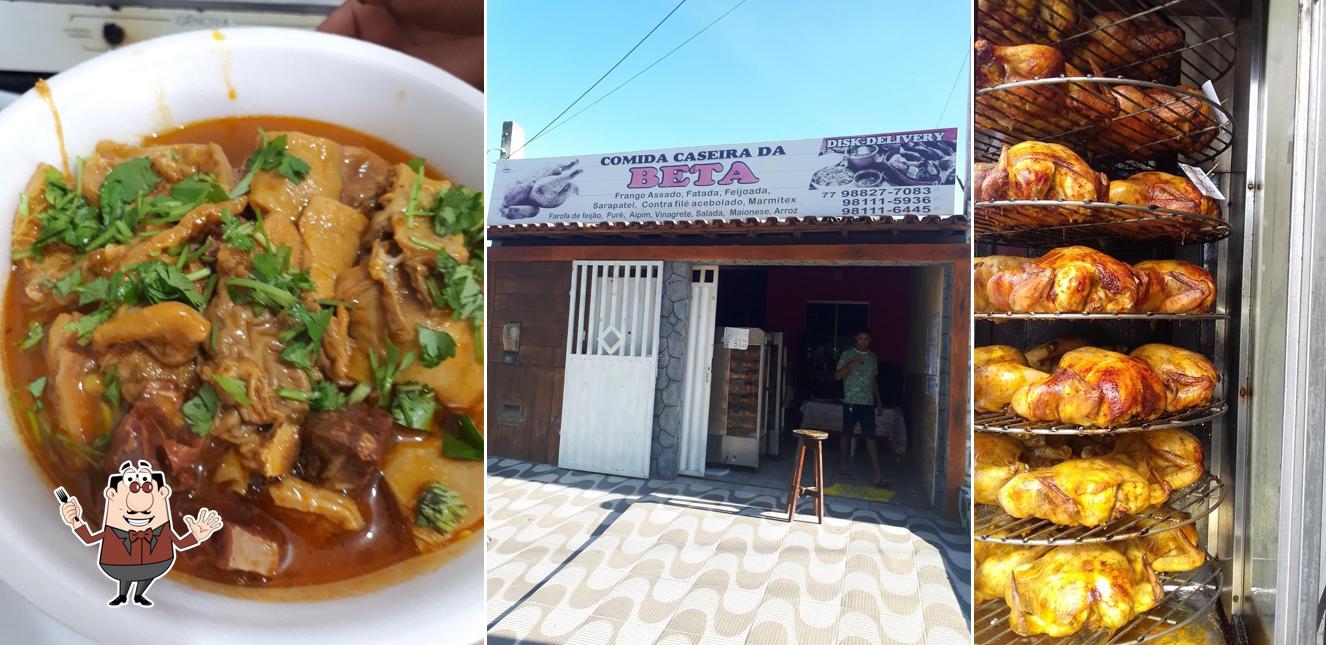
column 857, row 368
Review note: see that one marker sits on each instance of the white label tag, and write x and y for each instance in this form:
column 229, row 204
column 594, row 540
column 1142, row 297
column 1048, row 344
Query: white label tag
column 736, row 337
column 1202, row 182
column 1208, row 88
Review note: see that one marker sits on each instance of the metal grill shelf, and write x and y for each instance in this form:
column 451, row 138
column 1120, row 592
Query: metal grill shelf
column 1188, row 596
column 1184, row 506
column 1118, row 125
column 1007, row 422
column 998, row 316
column 1099, row 36
column 1024, row 223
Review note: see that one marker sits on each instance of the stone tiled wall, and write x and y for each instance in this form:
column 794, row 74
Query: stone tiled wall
column 668, row 388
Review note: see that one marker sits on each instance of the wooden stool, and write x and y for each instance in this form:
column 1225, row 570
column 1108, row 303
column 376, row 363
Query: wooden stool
column 796, row 491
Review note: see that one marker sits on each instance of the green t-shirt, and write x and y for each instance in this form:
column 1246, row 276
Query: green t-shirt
column 859, row 385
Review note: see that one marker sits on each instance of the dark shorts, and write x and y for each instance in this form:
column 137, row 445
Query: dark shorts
column 863, row 414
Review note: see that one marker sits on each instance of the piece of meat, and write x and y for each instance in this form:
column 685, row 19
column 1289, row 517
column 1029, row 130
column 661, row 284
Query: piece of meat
column 330, row 232
column 170, row 331
column 297, row 494
column 139, row 372
column 242, row 548
column 154, row 430
column 984, row 268
column 248, row 348
column 173, row 163
column 269, row 453
column 364, row 176
column 1066, row 279
column 344, row 449
column 276, row 195
column 194, row 226
column 365, row 325
column 1094, row 387
column 415, row 236
column 71, row 371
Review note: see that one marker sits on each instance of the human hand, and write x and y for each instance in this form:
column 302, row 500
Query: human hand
column 208, row 522
column 446, row 33
column 71, row 511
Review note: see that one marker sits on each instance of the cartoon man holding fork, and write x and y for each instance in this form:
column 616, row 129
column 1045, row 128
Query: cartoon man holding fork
column 138, row 542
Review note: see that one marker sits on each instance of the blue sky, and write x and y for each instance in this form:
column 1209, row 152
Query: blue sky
column 773, row 69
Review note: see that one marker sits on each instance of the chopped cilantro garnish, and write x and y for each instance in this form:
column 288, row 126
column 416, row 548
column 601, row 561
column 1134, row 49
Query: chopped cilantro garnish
column 468, row 444
column 271, row 155
column 386, row 370
column 236, row 388
column 35, row 333
column 37, row 387
column 200, row 411
column 434, row 346
column 324, row 396
column 413, row 405
column 112, row 391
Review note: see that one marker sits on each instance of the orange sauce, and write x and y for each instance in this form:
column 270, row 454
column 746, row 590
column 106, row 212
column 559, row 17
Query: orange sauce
column 44, row 91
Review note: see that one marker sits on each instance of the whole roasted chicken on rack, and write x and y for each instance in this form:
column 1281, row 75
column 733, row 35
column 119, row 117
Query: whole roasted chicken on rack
column 1164, row 190
column 997, row 459
column 1020, row 108
column 1066, row 279
column 1100, row 592
column 1157, row 120
column 1143, row 47
column 1190, row 379
column 984, row 268
column 1022, row 21
column 1077, row 492
column 1000, row 371
column 1175, row 287
column 1094, row 387
column 1039, row 170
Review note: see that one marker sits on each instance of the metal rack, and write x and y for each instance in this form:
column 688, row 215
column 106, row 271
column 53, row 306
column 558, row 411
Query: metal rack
column 1192, row 40
column 1188, row 596
column 1023, row 222
column 1184, row 507
column 1118, row 125
column 1006, row 422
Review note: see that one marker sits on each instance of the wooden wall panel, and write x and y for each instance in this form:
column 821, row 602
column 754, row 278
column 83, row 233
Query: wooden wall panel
column 533, row 294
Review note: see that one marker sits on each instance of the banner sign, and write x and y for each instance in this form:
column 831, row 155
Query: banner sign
column 872, row 174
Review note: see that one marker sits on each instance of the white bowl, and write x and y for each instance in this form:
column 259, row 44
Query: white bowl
column 172, row 81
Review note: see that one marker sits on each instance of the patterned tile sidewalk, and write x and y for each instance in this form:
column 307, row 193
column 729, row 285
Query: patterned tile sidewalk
column 578, row 558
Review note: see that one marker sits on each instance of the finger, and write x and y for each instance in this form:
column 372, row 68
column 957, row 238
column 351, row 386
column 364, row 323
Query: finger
column 462, row 58
column 341, row 21
column 454, row 16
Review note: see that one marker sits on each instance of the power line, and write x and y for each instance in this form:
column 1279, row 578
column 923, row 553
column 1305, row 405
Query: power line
column 651, row 66
column 956, row 78
column 605, row 75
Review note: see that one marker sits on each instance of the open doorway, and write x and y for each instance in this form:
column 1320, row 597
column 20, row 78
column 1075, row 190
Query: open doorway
column 778, row 332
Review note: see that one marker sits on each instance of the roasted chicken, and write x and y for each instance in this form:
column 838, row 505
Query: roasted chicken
column 996, row 460
column 1169, row 456
column 1014, row 108
column 1045, row 356
column 995, row 565
column 1175, row 287
column 1072, row 279
column 985, row 268
column 1077, row 492
column 1190, row 379
column 1039, row 170
column 1172, row 550
column 1163, row 190
column 1088, row 586
column 995, row 384
column 1094, row 387
column 1158, row 120
column 991, row 354
column 1022, row 21
column 1143, row 47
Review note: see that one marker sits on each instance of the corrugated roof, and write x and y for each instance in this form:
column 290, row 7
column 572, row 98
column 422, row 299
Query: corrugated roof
column 909, row 222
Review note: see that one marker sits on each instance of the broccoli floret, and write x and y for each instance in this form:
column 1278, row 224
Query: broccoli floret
column 441, row 508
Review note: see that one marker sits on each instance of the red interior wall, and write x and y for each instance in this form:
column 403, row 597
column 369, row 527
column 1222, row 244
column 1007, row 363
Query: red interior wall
column 885, row 288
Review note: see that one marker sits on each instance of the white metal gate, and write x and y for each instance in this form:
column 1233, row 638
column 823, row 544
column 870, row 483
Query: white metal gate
column 611, row 367
column 693, row 443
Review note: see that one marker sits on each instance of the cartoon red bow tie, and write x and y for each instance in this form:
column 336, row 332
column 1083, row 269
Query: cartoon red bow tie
column 145, row 536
